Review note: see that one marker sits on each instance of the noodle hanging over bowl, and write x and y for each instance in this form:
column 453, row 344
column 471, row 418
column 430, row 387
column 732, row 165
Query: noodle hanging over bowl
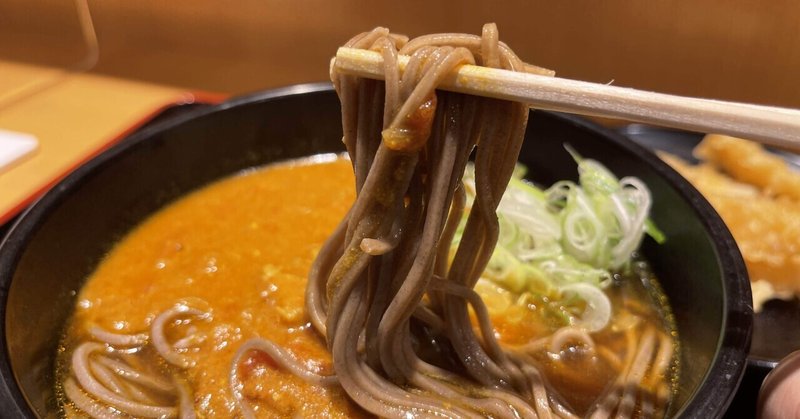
column 372, row 275
column 379, row 272
column 398, row 292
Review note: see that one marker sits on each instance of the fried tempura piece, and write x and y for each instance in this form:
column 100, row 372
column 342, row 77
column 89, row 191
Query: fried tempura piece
column 709, row 181
column 748, row 162
column 766, row 229
column 768, row 234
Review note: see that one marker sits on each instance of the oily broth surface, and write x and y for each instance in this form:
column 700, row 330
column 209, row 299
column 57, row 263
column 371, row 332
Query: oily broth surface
column 241, row 249
column 636, row 298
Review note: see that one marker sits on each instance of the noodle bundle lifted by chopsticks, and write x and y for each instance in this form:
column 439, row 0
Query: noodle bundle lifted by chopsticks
column 381, row 290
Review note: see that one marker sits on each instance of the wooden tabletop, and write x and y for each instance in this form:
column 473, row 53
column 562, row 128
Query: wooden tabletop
column 74, row 117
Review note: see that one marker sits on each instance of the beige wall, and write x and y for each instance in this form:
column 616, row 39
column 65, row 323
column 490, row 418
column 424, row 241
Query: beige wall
column 745, row 50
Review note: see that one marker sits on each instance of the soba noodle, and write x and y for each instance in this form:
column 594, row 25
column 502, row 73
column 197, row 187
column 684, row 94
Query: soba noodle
column 386, row 287
column 377, row 274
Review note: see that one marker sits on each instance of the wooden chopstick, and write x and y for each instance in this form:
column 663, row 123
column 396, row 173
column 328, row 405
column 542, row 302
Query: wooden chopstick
column 774, row 126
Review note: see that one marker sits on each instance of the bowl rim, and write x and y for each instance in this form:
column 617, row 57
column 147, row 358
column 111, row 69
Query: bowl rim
column 729, row 361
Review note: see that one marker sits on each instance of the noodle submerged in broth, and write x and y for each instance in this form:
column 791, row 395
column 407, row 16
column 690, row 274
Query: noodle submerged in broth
column 218, row 306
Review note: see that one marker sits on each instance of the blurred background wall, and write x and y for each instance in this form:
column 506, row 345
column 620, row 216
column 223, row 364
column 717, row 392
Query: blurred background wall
column 746, row 50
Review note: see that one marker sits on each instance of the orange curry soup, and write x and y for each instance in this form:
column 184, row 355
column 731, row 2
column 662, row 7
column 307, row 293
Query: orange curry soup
column 239, row 248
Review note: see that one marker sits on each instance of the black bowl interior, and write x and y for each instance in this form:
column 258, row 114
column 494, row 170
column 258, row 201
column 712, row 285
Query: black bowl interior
column 59, row 241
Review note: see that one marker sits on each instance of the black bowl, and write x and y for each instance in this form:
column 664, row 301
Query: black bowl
column 58, row 241
column 775, row 334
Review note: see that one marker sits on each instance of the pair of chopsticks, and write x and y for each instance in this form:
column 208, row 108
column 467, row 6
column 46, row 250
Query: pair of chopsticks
column 769, row 125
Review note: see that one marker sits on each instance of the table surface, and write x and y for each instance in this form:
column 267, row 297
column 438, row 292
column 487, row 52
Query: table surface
column 73, row 115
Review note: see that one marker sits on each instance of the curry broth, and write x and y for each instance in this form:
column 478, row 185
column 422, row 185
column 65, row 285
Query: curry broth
column 241, row 249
